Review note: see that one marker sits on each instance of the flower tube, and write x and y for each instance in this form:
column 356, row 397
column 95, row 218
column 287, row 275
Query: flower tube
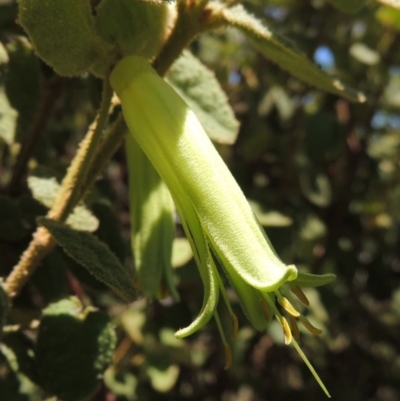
column 219, row 223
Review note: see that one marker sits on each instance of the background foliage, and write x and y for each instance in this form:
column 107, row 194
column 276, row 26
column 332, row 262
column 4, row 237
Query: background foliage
column 322, row 174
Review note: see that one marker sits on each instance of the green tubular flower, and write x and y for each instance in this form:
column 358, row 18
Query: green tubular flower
column 152, row 224
column 218, row 221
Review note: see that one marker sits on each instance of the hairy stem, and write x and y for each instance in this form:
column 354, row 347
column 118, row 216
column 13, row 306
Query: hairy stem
column 191, row 21
column 91, row 159
column 42, row 242
column 71, row 186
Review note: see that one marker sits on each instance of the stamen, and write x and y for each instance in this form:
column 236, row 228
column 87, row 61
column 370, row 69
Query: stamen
column 288, row 306
column 300, row 294
column 286, row 329
column 309, row 326
column 295, row 328
column 235, row 324
column 264, row 308
column 228, row 356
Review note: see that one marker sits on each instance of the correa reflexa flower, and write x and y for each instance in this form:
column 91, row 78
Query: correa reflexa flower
column 218, row 221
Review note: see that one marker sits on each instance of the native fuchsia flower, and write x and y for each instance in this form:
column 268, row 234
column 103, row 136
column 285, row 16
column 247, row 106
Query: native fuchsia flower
column 218, row 221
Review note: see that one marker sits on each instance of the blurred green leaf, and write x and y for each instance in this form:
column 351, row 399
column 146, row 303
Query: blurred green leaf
column 122, row 384
column 163, row 380
column 94, row 256
column 277, row 97
column 389, row 16
column 364, row 54
column 312, row 228
column 3, row 54
column 181, row 252
column 315, row 187
column 201, row 90
column 384, row 146
column 74, row 348
column 286, row 55
column 391, row 3
column 8, row 119
column 44, row 188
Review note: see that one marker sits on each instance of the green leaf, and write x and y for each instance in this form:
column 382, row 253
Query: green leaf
column 62, row 33
column 133, row 27
column 22, row 82
column 94, row 256
column 349, row 6
column 44, row 188
column 109, row 230
column 199, row 87
column 74, row 347
column 286, row 55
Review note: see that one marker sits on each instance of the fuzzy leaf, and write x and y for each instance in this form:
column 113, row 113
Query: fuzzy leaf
column 45, row 188
column 94, row 256
column 62, row 33
column 201, row 90
column 286, row 55
column 74, row 347
column 133, row 27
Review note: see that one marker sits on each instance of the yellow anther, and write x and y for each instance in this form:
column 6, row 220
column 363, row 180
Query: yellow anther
column 295, row 328
column 309, row 326
column 265, row 309
column 286, row 329
column 288, row 306
column 300, row 294
column 228, row 356
column 235, row 324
